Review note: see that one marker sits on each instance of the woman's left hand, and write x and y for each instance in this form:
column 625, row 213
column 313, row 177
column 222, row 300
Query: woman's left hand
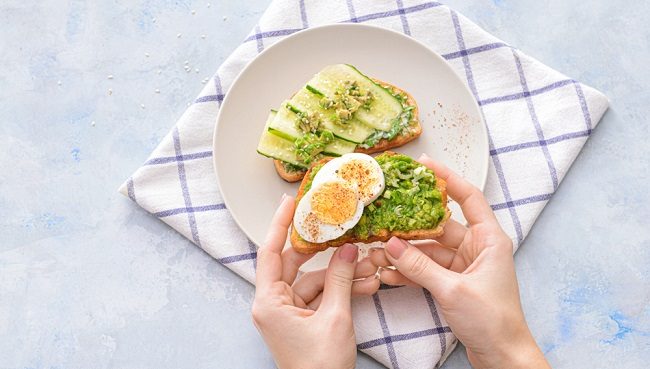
column 307, row 323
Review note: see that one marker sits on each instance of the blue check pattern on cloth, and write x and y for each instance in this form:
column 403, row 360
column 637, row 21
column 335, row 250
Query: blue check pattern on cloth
column 537, row 119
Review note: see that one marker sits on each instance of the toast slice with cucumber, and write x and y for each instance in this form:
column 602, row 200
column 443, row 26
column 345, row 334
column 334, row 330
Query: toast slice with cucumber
column 340, row 110
column 433, row 206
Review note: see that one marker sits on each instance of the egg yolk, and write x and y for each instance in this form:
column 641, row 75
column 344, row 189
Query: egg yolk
column 359, row 172
column 334, row 202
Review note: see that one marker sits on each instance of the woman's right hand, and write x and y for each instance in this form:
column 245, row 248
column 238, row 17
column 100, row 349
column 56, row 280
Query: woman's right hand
column 470, row 272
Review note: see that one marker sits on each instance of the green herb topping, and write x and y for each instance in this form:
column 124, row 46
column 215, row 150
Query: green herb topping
column 311, row 144
column 348, row 98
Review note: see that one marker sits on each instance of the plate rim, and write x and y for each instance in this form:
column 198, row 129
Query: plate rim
column 321, row 28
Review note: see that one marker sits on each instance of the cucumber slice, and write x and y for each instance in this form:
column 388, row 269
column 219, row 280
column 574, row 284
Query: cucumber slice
column 275, row 147
column 309, row 100
column 283, row 125
column 383, row 109
column 339, row 147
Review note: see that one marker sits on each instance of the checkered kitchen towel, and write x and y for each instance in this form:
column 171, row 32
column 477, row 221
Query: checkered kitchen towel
column 538, row 120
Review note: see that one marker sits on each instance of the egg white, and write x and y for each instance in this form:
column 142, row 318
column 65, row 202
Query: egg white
column 326, row 232
column 376, row 176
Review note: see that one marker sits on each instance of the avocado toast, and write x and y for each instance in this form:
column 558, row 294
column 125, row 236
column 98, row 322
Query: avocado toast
column 412, row 205
column 340, row 110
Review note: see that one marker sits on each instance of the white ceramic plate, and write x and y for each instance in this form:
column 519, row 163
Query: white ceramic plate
column 453, row 130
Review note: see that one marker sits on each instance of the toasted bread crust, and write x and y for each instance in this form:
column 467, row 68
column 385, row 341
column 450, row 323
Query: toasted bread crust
column 406, row 136
column 286, row 175
column 305, row 247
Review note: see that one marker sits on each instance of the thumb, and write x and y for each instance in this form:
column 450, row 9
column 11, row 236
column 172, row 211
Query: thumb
column 417, row 266
column 338, row 278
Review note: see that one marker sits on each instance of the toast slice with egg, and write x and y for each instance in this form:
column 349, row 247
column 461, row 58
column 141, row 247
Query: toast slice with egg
column 405, row 136
column 382, row 235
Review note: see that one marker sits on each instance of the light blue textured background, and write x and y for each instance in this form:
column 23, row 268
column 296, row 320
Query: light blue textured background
column 88, row 280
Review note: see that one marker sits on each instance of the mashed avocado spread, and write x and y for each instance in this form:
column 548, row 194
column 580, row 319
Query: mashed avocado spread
column 410, row 200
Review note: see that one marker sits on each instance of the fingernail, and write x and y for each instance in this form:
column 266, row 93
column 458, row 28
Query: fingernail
column 284, row 196
column 396, row 247
column 349, row 253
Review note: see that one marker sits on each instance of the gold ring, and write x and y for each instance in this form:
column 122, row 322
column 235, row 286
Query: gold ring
column 378, row 273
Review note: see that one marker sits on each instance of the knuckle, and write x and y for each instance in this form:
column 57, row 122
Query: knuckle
column 258, row 314
column 492, row 236
column 419, row 266
column 339, row 279
column 458, row 287
column 474, row 190
column 469, row 188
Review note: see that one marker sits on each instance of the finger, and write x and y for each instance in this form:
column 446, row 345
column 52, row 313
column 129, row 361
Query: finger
column 338, row 280
column 379, row 258
column 315, row 303
column 365, row 268
column 299, row 302
column 311, row 284
column 365, row 287
column 269, row 261
column 395, row 278
column 471, row 200
column 454, row 234
column 292, row 260
column 434, row 250
column 417, row 266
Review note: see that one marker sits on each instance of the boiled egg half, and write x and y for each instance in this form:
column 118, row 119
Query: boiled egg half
column 359, row 169
column 335, row 202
